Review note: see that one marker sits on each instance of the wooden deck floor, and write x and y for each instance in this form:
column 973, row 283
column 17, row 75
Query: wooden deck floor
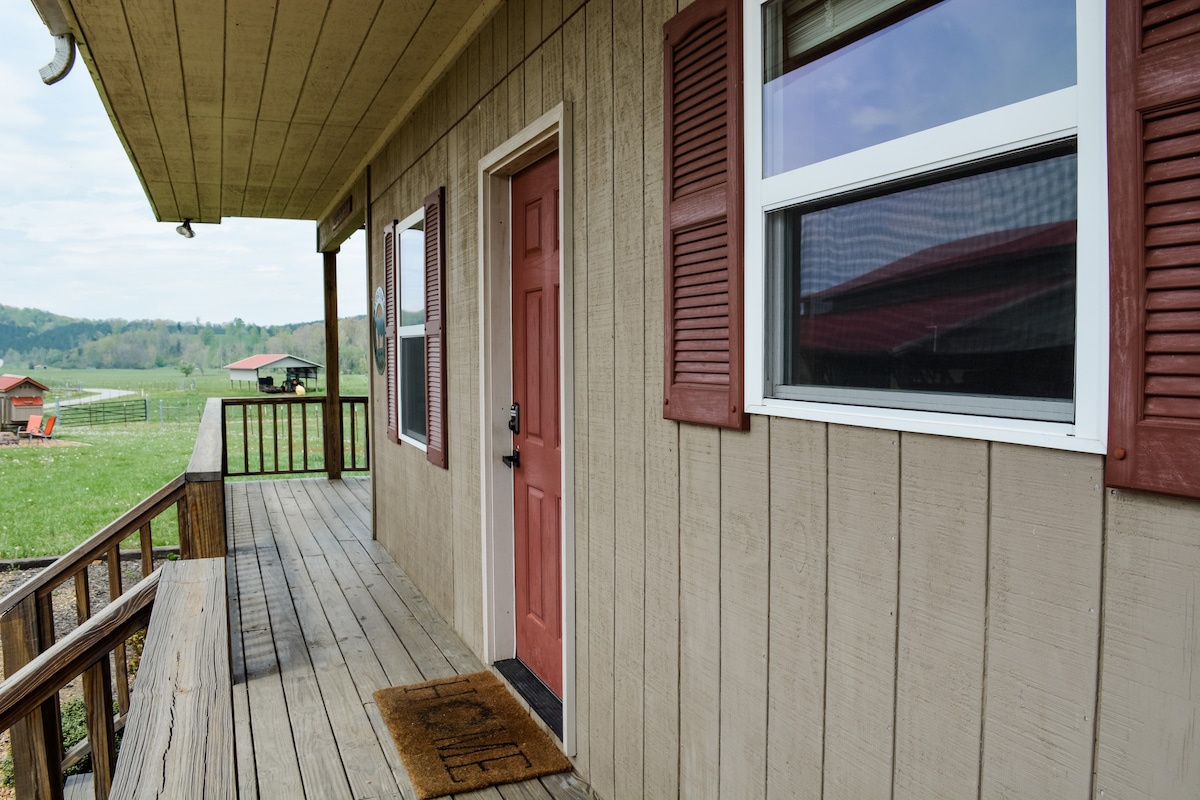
column 321, row 617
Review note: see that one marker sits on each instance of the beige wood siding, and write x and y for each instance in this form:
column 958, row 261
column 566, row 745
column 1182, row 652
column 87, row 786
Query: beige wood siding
column 803, row 610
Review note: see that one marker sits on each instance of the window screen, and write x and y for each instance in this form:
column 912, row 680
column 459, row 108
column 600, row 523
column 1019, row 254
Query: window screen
column 960, row 285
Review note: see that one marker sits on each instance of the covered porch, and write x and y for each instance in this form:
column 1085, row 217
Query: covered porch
column 316, row 614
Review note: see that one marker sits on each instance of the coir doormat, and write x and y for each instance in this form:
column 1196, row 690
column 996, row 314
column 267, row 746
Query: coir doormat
column 464, row 733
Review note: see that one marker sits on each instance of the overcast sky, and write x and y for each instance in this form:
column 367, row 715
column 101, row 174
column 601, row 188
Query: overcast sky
column 78, row 237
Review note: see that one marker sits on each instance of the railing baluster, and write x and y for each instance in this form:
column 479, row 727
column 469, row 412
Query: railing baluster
column 83, row 597
column 97, row 697
column 291, row 433
column 147, row 547
column 366, row 439
column 115, row 589
column 262, row 457
column 47, row 635
column 224, row 442
column 353, row 437
column 185, row 538
column 304, row 435
column 98, row 703
column 246, row 439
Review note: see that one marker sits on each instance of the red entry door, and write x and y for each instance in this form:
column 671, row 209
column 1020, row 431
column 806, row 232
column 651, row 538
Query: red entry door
column 537, row 482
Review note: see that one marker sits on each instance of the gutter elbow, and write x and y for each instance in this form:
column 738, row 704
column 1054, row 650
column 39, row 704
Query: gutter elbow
column 64, row 58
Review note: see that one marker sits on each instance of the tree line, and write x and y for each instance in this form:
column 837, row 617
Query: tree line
column 31, row 337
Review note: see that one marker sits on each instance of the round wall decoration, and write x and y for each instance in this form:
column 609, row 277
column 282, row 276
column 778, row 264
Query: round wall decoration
column 380, row 332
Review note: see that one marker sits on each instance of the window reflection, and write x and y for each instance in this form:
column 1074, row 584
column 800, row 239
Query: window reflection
column 410, row 330
column 953, row 60
column 412, row 275
column 966, row 285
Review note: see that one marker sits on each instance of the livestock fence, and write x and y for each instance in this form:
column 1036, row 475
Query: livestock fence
column 105, row 412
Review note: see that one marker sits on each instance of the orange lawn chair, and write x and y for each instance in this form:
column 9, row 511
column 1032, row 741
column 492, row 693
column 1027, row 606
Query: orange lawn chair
column 34, row 424
column 47, row 428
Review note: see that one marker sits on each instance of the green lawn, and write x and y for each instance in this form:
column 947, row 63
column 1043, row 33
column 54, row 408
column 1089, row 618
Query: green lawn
column 55, row 497
column 166, row 384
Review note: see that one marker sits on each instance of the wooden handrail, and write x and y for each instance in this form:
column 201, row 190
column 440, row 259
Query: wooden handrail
column 45, row 675
column 93, row 547
column 293, row 400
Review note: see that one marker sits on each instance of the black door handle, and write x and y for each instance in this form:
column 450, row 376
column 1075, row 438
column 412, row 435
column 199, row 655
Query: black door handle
column 513, row 460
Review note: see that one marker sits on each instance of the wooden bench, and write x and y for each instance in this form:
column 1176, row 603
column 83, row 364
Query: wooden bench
column 179, row 736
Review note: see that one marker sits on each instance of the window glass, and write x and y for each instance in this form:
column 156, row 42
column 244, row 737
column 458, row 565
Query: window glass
column 412, row 275
column 963, row 283
column 412, row 387
column 950, row 61
column 410, row 327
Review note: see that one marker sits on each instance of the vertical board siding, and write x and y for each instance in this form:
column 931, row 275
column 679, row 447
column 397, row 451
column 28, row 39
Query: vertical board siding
column 943, row 600
column 601, row 386
column 745, row 595
column 1043, row 623
column 660, row 762
column 798, row 586
column 864, row 498
column 804, row 610
column 699, row 611
column 462, row 204
column 1150, row 700
column 629, row 341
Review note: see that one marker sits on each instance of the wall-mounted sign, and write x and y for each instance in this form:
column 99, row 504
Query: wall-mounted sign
column 380, row 331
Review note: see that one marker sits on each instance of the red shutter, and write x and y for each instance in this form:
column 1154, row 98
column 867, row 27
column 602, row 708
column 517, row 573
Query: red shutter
column 1154, row 192
column 390, row 343
column 702, row 187
column 435, row 328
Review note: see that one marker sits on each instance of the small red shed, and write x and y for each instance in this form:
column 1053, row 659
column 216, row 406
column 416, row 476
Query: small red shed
column 20, row 396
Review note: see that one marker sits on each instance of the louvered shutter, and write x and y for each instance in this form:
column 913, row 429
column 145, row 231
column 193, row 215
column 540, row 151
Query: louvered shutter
column 1154, row 192
column 435, row 328
column 390, row 343
column 703, row 215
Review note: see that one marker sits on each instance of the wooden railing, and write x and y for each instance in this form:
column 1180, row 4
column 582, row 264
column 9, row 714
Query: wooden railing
column 29, row 632
column 287, row 436
column 29, row 696
column 273, row 436
column 356, row 443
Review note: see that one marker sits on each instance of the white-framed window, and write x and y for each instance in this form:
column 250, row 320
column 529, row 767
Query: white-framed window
column 410, row 328
column 926, row 216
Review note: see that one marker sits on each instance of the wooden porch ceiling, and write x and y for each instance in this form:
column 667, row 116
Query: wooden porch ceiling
column 262, row 108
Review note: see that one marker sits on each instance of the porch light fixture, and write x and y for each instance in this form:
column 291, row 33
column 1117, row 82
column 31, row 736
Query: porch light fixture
column 185, row 230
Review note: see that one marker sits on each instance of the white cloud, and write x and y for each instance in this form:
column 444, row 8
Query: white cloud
column 868, row 118
column 78, row 236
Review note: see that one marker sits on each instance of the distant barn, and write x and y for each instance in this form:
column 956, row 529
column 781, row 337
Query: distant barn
column 297, row 372
column 19, row 397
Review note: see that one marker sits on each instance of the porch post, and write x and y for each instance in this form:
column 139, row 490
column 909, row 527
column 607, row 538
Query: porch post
column 333, row 395
column 202, row 532
column 36, row 741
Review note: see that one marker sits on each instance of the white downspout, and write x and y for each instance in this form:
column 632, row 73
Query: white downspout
column 64, row 58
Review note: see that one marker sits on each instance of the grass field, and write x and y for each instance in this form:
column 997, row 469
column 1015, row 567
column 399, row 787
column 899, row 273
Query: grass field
column 52, row 498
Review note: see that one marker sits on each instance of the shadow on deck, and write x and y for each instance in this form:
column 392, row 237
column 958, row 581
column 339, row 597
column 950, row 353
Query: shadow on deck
column 321, row 617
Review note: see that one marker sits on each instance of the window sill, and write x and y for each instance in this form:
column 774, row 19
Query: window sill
column 1050, row 435
column 414, row 442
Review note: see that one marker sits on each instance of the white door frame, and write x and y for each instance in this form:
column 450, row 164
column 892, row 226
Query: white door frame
column 548, row 133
